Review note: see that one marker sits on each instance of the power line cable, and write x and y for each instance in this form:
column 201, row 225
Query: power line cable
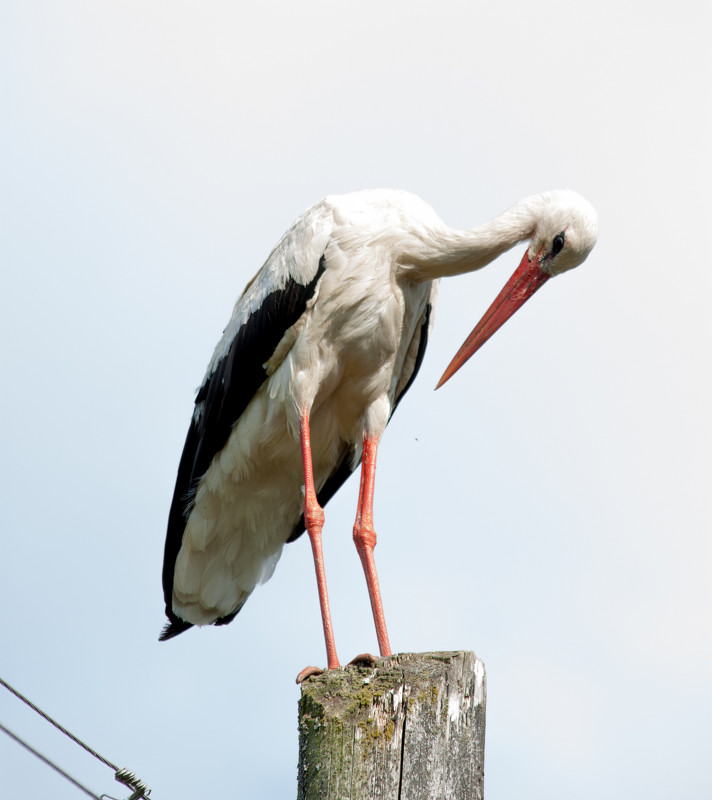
column 58, row 726
column 48, row 762
column 122, row 775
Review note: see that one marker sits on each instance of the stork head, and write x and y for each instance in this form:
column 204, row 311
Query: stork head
column 564, row 230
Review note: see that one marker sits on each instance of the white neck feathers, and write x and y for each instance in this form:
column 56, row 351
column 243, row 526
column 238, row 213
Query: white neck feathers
column 441, row 252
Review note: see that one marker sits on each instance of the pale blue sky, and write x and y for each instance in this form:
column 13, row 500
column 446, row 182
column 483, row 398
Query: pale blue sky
column 548, row 508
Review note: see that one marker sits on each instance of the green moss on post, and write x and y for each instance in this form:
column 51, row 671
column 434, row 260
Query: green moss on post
column 412, row 728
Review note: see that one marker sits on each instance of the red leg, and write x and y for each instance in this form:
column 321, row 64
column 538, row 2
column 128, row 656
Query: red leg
column 365, row 540
column 314, row 521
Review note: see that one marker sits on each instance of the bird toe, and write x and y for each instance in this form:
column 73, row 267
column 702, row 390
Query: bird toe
column 363, row 660
column 307, row 672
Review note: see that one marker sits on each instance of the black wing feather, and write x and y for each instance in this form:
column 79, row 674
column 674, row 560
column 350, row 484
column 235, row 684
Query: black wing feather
column 420, row 355
column 224, row 395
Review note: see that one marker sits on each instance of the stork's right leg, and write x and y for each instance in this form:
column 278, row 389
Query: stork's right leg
column 314, row 522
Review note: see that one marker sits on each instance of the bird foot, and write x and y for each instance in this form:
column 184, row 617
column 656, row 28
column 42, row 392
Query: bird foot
column 363, row 660
column 307, row 672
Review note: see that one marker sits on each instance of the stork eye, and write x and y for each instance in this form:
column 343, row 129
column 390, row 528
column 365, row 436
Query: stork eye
column 557, row 245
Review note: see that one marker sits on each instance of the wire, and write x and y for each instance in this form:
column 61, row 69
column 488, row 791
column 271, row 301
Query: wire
column 58, row 726
column 123, row 775
column 48, row 762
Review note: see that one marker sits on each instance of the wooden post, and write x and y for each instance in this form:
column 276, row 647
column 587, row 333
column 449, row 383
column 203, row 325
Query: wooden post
column 410, row 728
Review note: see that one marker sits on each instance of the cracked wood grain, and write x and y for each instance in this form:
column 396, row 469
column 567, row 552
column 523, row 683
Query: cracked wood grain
column 410, row 728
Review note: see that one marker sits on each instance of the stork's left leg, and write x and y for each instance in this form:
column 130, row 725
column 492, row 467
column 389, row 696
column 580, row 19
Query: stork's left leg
column 365, row 539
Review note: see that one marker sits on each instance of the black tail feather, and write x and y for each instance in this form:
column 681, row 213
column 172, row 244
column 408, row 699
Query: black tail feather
column 173, row 628
column 176, row 626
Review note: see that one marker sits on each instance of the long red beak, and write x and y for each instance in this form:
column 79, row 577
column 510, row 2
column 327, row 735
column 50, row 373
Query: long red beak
column 527, row 278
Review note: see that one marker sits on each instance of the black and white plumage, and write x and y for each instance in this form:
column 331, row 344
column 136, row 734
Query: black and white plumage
column 330, row 333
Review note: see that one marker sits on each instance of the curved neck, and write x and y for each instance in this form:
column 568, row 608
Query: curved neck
column 441, row 252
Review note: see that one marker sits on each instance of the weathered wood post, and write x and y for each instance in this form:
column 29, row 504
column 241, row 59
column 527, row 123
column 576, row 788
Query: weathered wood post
column 410, row 728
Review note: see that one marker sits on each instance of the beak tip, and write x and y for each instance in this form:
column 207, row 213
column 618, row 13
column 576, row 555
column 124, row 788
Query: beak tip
column 445, row 377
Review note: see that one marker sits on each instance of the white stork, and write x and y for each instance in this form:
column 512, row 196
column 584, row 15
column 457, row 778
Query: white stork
column 322, row 345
